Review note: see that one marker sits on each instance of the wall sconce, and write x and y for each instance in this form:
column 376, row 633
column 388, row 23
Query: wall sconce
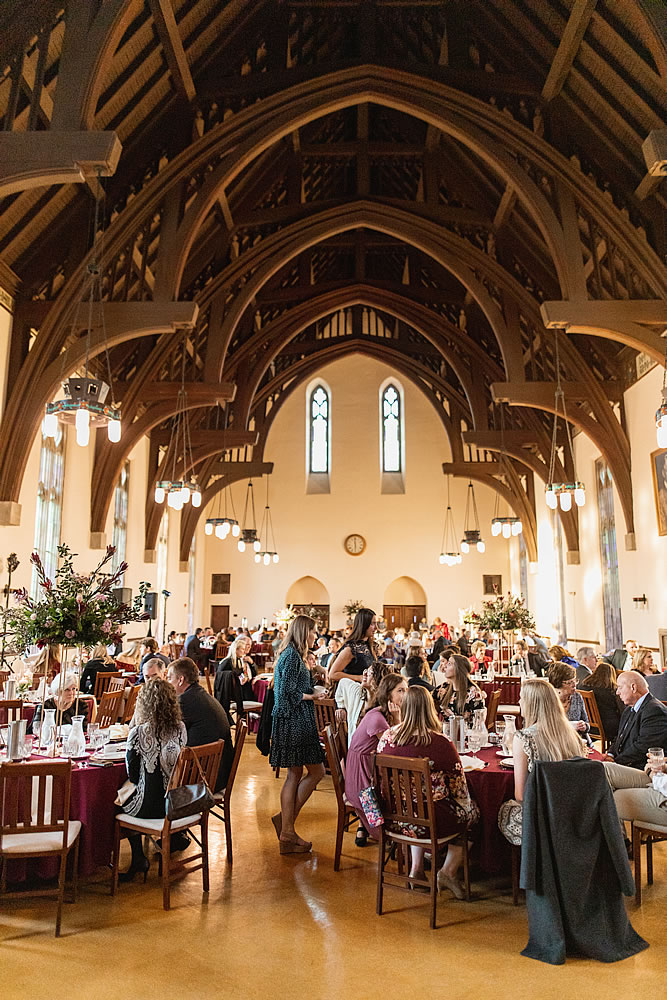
column 640, row 603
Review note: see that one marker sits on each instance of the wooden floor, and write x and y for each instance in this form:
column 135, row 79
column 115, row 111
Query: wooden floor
column 291, row 927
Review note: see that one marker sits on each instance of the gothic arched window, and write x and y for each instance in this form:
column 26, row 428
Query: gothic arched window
column 319, row 430
column 392, row 432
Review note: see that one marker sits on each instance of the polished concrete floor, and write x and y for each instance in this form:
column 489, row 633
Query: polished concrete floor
column 292, row 927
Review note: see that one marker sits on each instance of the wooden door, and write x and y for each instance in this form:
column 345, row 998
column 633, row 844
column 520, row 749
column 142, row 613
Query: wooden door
column 219, row 616
column 407, row 616
column 392, row 615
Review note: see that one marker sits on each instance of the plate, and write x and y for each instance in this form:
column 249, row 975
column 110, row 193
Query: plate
column 501, row 753
column 507, row 762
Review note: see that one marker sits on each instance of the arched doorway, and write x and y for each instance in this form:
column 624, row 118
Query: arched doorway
column 404, row 603
column 309, row 596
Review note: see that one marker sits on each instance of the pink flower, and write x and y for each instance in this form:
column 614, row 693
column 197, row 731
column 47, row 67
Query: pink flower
column 69, row 633
column 106, row 625
column 79, row 598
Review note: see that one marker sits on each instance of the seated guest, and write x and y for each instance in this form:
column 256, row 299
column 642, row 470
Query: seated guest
column 418, row 735
column 639, row 795
column 130, row 659
column 546, row 735
column 63, row 698
column 318, row 673
column 587, row 661
column 227, row 687
column 155, row 667
column 463, row 642
column 602, row 682
column 150, row 651
column 99, row 661
column 239, row 660
column 153, row 746
column 439, row 643
column 332, row 648
column 621, row 659
column 643, row 663
column 560, row 655
column 563, row 677
column 657, row 685
column 478, row 656
column 459, row 695
column 414, row 671
column 643, row 723
column 205, row 719
column 383, row 710
column 192, row 648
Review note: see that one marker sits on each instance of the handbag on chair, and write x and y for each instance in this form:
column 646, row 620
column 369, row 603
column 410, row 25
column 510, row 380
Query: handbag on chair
column 188, row 800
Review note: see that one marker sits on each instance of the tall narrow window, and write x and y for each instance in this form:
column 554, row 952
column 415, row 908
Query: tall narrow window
column 121, row 495
column 318, row 437
column 48, row 514
column 611, row 591
column 392, row 438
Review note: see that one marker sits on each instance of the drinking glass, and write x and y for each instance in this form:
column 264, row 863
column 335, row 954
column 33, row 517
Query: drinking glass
column 475, row 739
column 94, row 734
column 656, row 757
column 28, row 741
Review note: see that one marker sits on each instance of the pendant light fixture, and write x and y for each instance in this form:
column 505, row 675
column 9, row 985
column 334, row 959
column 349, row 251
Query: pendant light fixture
column 222, row 524
column 267, row 555
column 661, row 412
column 180, row 491
column 471, row 531
column 85, row 403
column 510, row 525
column 562, row 493
column 249, row 533
column 449, row 554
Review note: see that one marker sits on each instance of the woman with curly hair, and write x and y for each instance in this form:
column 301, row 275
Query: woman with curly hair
column 153, row 746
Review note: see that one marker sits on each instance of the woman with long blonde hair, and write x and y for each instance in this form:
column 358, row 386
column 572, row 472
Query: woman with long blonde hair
column 547, row 735
column 295, row 742
column 418, row 735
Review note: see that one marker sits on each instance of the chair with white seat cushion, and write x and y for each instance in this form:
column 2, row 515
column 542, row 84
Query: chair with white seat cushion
column 35, row 823
column 186, row 772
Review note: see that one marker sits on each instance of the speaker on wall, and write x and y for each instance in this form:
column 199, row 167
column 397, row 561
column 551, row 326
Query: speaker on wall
column 122, row 595
column 150, row 604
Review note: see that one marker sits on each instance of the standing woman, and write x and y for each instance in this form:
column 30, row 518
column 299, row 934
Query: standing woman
column 355, row 657
column 295, row 743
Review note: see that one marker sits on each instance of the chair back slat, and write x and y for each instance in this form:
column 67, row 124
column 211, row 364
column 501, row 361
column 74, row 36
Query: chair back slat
column 186, row 771
column 11, row 710
column 325, row 714
column 34, row 798
column 593, row 712
column 102, row 681
column 492, row 708
column 116, row 684
column 334, row 761
column 221, row 650
column 109, row 708
column 405, row 784
column 128, row 711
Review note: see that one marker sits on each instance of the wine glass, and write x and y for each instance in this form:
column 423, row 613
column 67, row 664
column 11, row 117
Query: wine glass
column 656, row 758
column 475, row 739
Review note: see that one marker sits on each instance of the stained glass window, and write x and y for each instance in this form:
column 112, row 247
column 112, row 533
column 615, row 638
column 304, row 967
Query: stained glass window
column 391, row 430
column 319, row 430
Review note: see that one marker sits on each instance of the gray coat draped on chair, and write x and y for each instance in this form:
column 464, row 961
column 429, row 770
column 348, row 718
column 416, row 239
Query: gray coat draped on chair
column 574, row 866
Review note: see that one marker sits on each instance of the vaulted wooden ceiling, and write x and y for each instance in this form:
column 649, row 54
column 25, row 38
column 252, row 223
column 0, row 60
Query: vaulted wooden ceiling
column 352, row 222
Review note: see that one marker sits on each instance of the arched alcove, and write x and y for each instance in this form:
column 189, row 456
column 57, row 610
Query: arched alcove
column 404, row 590
column 307, row 590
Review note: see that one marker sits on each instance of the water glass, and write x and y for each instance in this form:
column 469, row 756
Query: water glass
column 28, row 741
column 93, row 735
column 656, row 757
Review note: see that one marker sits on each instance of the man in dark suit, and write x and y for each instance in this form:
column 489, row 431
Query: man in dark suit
column 205, row 719
column 643, row 723
column 439, row 644
column 192, row 648
column 621, row 659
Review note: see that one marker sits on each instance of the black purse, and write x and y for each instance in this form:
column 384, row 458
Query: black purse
column 188, row 800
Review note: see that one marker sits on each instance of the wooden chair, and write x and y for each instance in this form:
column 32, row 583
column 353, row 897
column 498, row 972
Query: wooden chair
column 109, row 708
column 175, row 650
column 35, row 823
column 647, row 833
column 4, row 676
column 102, row 681
column 492, row 709
column 222, row 799
column 597, row 729
column 221, row 650
column 516, row 874
column 116, row 684
column 186, row 772
column 346, row 812
column 130, row 703
column 406, row 797
column 325, row 715
column 10, row 711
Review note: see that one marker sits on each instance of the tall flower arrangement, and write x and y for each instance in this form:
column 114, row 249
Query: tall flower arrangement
column 505, row 614
column 73, row 609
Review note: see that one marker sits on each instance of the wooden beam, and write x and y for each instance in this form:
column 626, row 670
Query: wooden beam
column 536, row 393
column 242, row 469
column 568, row 47
column 204, row 393
column 505, row 207
column 38, row 159
column 168, row 33
column 222, row 439
column 604, row 313
column 493, row 440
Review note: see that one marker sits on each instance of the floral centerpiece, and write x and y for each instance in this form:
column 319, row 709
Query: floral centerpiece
column 284, row 617
column 351, row 609
column 73, row 609
column 505, row 616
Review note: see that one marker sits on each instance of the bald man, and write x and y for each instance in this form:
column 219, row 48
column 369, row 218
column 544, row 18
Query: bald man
column 643, row 723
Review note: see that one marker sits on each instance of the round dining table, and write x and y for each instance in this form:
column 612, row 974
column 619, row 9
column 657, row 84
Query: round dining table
column 260, row 685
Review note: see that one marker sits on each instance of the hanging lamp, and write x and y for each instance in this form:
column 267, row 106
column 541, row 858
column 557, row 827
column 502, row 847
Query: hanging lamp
column 471, row 531
column 449, row 555
column 562, row 493
column 661, row 412
column 249, row 533
column 223, row 524
column 267, row 555
column 510, row 525
column 85, row 401
column 180, row 491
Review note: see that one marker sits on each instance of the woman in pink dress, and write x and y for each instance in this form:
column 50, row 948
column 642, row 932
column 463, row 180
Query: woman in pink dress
column 383, row 711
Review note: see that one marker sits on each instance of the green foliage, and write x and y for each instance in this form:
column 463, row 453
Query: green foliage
column 504, row 614
column 352, row 607
column 73, row 609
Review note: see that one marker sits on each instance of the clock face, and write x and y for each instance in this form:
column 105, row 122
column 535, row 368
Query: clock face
column 354, row 544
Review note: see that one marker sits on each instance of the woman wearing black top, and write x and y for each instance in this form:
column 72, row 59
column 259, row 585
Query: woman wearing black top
column 357, row 653
column 602, row 682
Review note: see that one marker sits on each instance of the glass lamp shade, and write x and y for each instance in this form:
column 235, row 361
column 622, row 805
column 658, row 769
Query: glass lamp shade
column 50, row 425
column 82, row 424
column 507, row 530
column 185, row 494
column 236, row 530
column 171, row 499
column 267, row 558
column 113, row 431
column 517, row 528
column 276, row 557
column 225, row 529
column 442, row 559
column 580, row 496
column 258, row 558
column 481, row 547
column 565, row 500
column 661, row 429
column 551, row 499
column 196, row 498
column 256, row 545
column 159, row 497
column 496, row 528
column 208, row 528
column 219, row 531
column 458, row 557
column 241, row 545
column 465, row 548
column 178, row 500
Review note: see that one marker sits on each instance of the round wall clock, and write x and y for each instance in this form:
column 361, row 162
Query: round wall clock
column 354, row 544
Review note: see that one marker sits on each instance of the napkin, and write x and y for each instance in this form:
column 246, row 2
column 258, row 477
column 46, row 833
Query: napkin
column 472, row 764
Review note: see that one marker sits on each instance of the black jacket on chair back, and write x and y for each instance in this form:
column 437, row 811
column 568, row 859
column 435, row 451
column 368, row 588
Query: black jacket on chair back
column 574, row 867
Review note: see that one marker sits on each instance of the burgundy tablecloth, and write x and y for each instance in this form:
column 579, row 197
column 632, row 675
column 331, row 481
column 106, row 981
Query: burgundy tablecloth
column 93, row 793
column 259, row 689
column 490, row 788
column 510, row 687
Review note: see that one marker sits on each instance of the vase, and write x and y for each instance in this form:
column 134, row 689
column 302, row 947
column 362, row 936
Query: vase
column 47, row 729
column 76, row 742
column 479, row 726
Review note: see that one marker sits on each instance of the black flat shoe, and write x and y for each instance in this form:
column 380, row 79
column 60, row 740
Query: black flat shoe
column 133, row 870
column 361, row 839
